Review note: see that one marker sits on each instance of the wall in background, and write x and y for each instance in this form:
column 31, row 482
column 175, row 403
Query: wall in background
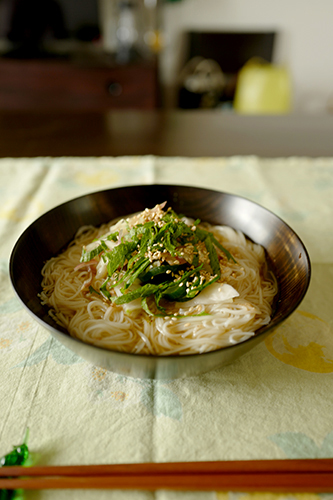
column 305, row 42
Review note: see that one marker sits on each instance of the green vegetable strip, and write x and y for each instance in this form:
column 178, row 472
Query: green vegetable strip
column 202, row 235
column 170, row 247
column 116, row 259
column 177, row 290
column 156, row 271
column 113, row 236
column 213, row 258
column 145, row 306
column 103, row 289
column 227, row 253
column 141, row 265
column 143, row 291
column 88, row 256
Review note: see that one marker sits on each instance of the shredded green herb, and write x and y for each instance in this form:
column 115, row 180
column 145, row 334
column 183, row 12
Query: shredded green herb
column 170, row 259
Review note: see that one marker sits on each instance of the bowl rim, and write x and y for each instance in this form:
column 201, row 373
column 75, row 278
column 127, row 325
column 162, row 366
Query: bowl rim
column 264, row 330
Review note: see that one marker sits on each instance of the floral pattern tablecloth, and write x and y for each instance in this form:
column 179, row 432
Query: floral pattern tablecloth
column 275, row 402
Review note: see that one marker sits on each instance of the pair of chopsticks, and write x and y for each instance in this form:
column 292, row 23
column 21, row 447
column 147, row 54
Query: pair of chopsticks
column 306, row 475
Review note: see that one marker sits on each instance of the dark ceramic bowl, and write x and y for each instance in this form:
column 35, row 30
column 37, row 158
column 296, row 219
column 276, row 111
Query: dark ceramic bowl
column 55, row 229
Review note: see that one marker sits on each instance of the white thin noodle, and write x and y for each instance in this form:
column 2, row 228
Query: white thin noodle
column 95, row 321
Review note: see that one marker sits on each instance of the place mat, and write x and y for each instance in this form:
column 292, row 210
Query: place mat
column 275, row 402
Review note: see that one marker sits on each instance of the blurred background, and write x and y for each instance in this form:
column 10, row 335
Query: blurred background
column 237, row 56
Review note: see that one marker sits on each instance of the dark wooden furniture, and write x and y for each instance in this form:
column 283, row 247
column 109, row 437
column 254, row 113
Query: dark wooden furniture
column 165, row 133
column 61, row 85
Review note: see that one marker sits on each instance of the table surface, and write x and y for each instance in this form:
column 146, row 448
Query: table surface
column 164, row 133
column 275, row 402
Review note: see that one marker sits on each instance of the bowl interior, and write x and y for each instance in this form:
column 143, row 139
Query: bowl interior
column 52, row 232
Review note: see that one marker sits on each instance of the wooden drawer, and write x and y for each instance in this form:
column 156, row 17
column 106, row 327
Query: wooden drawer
column 55, row 85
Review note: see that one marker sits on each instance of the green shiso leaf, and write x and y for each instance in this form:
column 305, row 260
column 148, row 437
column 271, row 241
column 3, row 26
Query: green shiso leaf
column 144, row 254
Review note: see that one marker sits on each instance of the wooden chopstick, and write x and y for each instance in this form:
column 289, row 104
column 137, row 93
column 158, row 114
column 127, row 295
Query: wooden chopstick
column 308, row 475
column 234, row 466
column 315, row 483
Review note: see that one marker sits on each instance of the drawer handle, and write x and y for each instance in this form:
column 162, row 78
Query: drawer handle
column 114, row 89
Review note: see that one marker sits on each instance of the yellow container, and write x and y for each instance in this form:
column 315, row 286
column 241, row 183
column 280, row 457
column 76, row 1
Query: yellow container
column 263, row 88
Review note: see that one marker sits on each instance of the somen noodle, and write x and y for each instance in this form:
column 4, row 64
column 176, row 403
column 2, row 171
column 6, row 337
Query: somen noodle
column 160, row 283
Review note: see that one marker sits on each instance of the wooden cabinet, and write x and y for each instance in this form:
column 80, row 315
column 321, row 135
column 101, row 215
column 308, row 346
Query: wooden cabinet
column 57, row 85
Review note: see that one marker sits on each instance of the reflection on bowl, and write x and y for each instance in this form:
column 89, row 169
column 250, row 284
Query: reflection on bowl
column 52, row 232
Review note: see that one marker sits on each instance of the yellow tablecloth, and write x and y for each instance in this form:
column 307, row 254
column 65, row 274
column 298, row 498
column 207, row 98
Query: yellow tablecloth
column 275, row 402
